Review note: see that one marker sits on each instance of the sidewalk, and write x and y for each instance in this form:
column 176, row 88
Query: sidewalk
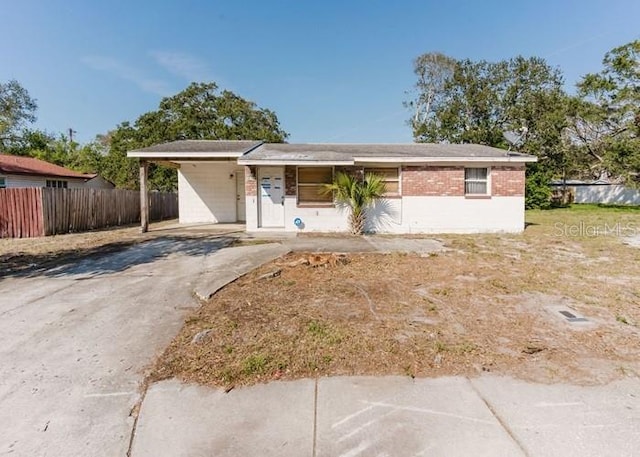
column 391, row 416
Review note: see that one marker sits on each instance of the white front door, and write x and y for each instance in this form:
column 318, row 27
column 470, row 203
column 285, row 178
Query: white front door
column 241, row 199
column 271, row 191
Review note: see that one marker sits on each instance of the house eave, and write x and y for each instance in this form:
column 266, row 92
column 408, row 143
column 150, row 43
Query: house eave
column 417, row 160
column 183, row 156
column 296, row 162
column 389, row 160
column 42, row 175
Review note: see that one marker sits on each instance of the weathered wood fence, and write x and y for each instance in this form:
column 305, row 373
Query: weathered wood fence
column 29, row 212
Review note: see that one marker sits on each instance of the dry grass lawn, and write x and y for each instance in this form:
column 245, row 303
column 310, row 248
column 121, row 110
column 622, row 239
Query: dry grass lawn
column 483, row 305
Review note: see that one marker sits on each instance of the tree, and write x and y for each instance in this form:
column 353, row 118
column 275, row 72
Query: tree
column 607, row 121
column 433, row 70
column 200, row 112
column 17, row 109
column 516, row 103
column 357, row 194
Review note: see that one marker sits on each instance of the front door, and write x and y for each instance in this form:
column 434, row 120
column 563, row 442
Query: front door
column 241, row 199
column 271, row 190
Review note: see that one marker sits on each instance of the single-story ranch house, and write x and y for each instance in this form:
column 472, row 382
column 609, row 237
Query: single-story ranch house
column 431, row 188
column 20, row 171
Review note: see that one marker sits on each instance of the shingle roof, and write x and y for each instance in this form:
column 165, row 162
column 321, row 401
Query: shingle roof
column 347, row 152
column 213, row 146
column 257, row 152
column 19, row 165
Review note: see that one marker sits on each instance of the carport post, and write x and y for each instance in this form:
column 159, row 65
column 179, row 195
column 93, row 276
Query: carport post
column 144, row 196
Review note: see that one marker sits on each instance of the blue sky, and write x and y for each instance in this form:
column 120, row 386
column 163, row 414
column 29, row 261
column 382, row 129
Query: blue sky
column 333, row 71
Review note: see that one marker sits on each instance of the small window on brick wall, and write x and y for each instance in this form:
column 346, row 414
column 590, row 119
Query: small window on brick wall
column 390, row 177
column 476, row 181
column 3, row 182
column 311, row 181
column 57, row 183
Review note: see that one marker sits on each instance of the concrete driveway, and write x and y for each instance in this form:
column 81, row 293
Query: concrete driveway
column 75, row 339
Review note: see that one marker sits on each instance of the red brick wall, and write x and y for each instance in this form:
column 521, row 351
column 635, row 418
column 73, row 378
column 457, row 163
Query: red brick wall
column 432, row 181
column 250, row 181
column 290, row 180
column 421, row 181
column 507, row 181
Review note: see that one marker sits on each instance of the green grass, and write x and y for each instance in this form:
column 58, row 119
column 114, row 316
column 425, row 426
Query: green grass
column 585, row 220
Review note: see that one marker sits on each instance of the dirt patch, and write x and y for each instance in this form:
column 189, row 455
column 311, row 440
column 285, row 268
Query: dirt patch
column 483, row 305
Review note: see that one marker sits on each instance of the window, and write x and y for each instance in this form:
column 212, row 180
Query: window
column 3, row 182
column 311, row 181
column 390, row 177
column 476, row 181
column 58, row 183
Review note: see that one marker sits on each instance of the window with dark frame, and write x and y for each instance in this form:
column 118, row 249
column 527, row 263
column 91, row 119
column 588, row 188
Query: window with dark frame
column 3, row 182
column 390, row 177
column 476, row 181
column 311, row 185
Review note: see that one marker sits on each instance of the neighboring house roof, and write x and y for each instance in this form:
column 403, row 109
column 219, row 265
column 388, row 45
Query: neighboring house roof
column 193, row 149
column 346, row 154
column 97, row 177
column 19, row 165
column 259, row 153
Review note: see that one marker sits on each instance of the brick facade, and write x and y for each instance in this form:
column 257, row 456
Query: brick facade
column 290, row 180
column 432, row 181
column 250, row 181
column 507, row 181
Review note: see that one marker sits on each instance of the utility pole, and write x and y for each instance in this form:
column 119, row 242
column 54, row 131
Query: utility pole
column 71, row 132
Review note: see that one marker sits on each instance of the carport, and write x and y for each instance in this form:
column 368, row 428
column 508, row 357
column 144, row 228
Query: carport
column 210, row 182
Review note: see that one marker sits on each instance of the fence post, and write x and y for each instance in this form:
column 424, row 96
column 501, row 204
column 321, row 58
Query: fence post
column 144, row 196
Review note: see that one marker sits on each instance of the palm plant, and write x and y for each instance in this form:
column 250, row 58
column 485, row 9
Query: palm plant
column 358, row 194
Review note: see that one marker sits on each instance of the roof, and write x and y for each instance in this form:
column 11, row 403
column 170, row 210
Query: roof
column 259, row 153
column 19, row 165
column 194, row 149
column 347, row 154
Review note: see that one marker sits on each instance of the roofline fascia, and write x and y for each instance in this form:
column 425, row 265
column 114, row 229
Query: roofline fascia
column 185, row 156
column 446, row 159
column 404, row 160
column 40, row 175
column 295, row 162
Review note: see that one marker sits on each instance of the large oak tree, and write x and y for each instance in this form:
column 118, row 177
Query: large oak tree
column 200, row 112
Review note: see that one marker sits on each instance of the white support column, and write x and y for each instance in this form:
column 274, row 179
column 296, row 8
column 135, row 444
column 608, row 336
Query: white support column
column 144, row 196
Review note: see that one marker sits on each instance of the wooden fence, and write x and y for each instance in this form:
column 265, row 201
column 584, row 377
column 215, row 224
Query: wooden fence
column 29, row 212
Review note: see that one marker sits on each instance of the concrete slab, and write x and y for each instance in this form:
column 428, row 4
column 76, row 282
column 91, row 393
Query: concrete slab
column 363, row 244
column 231, row 263
column 75, row 340
column 391, row 416
column 187, row 421
column 398, row 416
column 563, row 420
column 421, row 246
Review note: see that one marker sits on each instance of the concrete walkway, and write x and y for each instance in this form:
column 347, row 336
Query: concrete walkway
column 75, row 339
column 391, row 416
column 382, row 244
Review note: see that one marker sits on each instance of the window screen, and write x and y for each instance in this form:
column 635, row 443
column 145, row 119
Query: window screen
column 475, row 181
column 390, row 176
column 311, row 184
